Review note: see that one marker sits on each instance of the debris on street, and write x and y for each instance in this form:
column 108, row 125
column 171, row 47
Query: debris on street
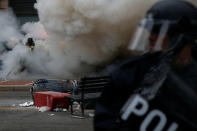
column 51, row 114
column 27, row 104
column 60, row 110
column 43, row 109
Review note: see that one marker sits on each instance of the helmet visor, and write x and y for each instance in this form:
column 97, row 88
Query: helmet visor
column 150, row 36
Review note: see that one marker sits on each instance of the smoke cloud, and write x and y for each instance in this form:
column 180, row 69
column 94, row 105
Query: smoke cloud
column 73, row 37
column 88, row 33
column 9, row 26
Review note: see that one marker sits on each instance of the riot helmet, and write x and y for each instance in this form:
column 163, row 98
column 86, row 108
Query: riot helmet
column 162, row 25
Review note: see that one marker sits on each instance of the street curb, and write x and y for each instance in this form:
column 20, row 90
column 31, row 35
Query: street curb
column 15, row 87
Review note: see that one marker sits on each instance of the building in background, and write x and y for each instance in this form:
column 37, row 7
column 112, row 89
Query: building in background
column 23, row 9
column 3, row 4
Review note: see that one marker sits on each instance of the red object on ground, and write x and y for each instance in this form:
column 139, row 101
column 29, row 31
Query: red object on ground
column 51, row 99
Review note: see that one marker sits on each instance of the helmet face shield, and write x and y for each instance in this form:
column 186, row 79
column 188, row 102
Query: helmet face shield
column 151, row 36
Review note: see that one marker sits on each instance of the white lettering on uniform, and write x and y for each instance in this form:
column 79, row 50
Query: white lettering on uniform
column 149, row 118
column 131, row 107
column 139, row 106
column 173, row 127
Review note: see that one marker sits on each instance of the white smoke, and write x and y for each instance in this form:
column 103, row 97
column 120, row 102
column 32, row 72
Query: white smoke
column 85, row 34
column 13, row 52
column 35, row 30
column 9, row 37
column 9, row 28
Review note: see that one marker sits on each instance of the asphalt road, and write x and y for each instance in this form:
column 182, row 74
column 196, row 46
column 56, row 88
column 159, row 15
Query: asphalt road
column 16, row 118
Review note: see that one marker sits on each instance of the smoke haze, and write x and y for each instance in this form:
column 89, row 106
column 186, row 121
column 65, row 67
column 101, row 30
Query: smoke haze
column 89, row 33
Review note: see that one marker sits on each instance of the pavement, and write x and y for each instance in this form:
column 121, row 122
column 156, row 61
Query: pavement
column 32, row 120
column 18, row 118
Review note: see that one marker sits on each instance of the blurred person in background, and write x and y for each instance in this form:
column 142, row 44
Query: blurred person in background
column 30, row 43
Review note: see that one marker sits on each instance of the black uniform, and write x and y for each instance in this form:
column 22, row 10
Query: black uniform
column 176, row 100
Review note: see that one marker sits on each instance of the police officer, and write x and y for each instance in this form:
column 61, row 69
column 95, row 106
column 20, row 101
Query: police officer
column 165, row 74
column 31, row 45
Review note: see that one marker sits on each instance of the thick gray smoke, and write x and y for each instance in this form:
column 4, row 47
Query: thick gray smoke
column 88, row 33
column 13, row 52
column 73, row 37
column 9, row 29
column 10, row 36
